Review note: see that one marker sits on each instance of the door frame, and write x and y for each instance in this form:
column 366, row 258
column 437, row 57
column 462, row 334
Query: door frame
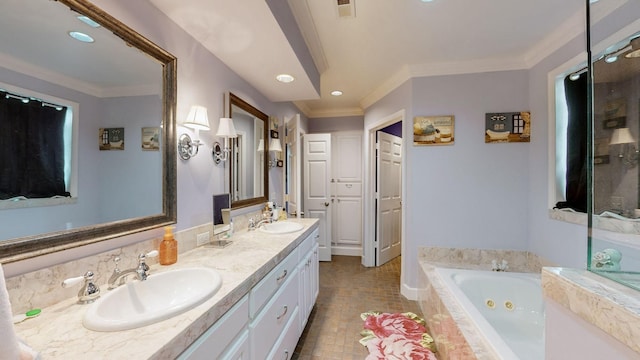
column 369, row 247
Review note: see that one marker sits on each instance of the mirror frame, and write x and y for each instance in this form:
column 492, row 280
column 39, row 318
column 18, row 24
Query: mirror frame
column 37, row 245
column 232, row 100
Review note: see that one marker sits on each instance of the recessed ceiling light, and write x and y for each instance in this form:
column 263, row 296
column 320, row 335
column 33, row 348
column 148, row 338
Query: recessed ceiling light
column 426, row 0
column 336, row 93
column 285, row 78
column 81, row 36
column 88, row 21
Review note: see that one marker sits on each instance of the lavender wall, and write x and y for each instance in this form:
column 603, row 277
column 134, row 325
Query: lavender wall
column 470, row 194
column 333, row 124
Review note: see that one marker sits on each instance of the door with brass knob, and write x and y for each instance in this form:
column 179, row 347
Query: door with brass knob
column 317, row 187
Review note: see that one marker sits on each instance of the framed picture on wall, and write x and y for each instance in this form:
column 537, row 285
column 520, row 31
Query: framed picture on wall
column 150, row 138
column 433, row 130
column 507, row 127
column 111, row 138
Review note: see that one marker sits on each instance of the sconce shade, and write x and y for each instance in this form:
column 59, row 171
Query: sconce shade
column 274, row 145
column 260, row 146
column 197, row 118
column 226, row 128
column 621, row 136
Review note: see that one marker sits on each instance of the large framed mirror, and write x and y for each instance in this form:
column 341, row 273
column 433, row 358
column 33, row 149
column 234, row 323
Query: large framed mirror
column 115, row 83
column 248, row 165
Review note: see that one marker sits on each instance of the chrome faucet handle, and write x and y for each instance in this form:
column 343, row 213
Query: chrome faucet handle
column 89, row 291
column 252, row 224
column 142, row 264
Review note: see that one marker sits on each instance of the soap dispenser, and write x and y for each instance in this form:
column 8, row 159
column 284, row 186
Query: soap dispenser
column 168, row 248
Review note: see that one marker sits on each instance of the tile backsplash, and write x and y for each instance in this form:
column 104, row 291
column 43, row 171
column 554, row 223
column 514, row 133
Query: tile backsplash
column 42, row 288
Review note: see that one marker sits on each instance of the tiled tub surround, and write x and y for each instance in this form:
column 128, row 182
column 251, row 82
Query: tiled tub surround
column 58, row 332
column 613, row 308
column 455, row 334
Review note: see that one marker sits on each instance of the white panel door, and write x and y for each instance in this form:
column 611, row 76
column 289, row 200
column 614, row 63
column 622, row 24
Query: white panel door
column 389, row 212
column 293, row 188
column 317, row 191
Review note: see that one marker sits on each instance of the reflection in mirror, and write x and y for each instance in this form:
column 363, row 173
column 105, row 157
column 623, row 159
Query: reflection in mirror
column 248, row 173
column 616, row 96
column 221, row 209
column 116, row 153
column 614, row 244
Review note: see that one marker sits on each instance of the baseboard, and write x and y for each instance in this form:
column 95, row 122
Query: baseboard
column 409, row 292
column 346, row 251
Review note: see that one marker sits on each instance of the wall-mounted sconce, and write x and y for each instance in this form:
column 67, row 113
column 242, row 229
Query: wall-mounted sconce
column 275, row 147
column 227, row 131
column 628, row 152
column 197, row 120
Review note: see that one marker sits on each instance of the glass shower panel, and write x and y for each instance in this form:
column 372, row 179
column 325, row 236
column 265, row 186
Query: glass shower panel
column 614, row 242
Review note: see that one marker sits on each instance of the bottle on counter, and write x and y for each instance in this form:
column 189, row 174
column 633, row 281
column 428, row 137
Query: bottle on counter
column 168, row 247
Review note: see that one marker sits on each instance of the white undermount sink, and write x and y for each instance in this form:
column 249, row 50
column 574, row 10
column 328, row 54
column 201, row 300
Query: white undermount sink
column 160, row 297
column 281, row 227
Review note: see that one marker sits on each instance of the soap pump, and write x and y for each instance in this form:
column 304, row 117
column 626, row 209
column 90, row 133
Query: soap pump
column 168, row 247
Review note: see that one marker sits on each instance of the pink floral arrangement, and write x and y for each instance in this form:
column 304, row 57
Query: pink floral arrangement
column 396, row 336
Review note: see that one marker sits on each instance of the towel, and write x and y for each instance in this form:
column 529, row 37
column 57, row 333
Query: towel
column 8, row 339
column 27, row 353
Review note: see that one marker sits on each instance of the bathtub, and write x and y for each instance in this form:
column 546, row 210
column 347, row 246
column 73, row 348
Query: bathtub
column 506, row 308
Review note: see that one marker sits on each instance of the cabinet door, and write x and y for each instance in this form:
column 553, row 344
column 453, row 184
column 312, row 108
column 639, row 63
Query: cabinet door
column 314, row 274
column 348, row 221
column 347, row 157
column 303, row 292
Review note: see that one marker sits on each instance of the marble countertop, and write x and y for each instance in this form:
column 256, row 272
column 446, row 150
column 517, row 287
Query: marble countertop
column 58, row 332
column 612, row 307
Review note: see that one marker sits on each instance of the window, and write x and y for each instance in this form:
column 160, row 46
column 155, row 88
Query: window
column 35, row 146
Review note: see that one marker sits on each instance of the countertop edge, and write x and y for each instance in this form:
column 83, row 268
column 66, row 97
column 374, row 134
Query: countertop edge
column 597, row 300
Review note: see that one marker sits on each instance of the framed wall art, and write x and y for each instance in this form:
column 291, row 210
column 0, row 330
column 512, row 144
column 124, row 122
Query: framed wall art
column 507, row 127
column 150, row 138
column 433, row 130
column 111, row 138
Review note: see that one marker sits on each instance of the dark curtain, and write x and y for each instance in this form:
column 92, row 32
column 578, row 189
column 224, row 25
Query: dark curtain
column 31, row 149
column 576, row 180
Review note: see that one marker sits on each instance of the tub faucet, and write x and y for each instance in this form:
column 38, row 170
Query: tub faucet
column 140, row 272
column 503, row 266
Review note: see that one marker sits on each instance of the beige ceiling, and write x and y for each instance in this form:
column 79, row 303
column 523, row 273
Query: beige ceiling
column 383, row 45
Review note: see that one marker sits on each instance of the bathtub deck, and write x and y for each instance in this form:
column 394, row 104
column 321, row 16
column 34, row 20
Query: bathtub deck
column 455, row 335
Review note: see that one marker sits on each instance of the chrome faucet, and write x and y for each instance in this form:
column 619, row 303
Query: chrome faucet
column 140, row 272
column 255, row 225
column 89, row 291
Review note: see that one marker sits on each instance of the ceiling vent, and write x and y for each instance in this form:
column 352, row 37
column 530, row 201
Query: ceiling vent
column 346, row 8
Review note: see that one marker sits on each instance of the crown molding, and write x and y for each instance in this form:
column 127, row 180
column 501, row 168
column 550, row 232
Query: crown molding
column 307, row 27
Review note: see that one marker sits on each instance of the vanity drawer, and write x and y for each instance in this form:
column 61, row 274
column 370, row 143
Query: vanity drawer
column 348, row 189
column 270, row 323
column 287, row 342
column 271, row 283
column 220, row 335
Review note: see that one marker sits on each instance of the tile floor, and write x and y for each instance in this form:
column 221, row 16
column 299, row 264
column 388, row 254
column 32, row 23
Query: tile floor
column 346, row 290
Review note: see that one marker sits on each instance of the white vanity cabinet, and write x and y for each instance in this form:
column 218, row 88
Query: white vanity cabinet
column 226, row 339
column 268, row 322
